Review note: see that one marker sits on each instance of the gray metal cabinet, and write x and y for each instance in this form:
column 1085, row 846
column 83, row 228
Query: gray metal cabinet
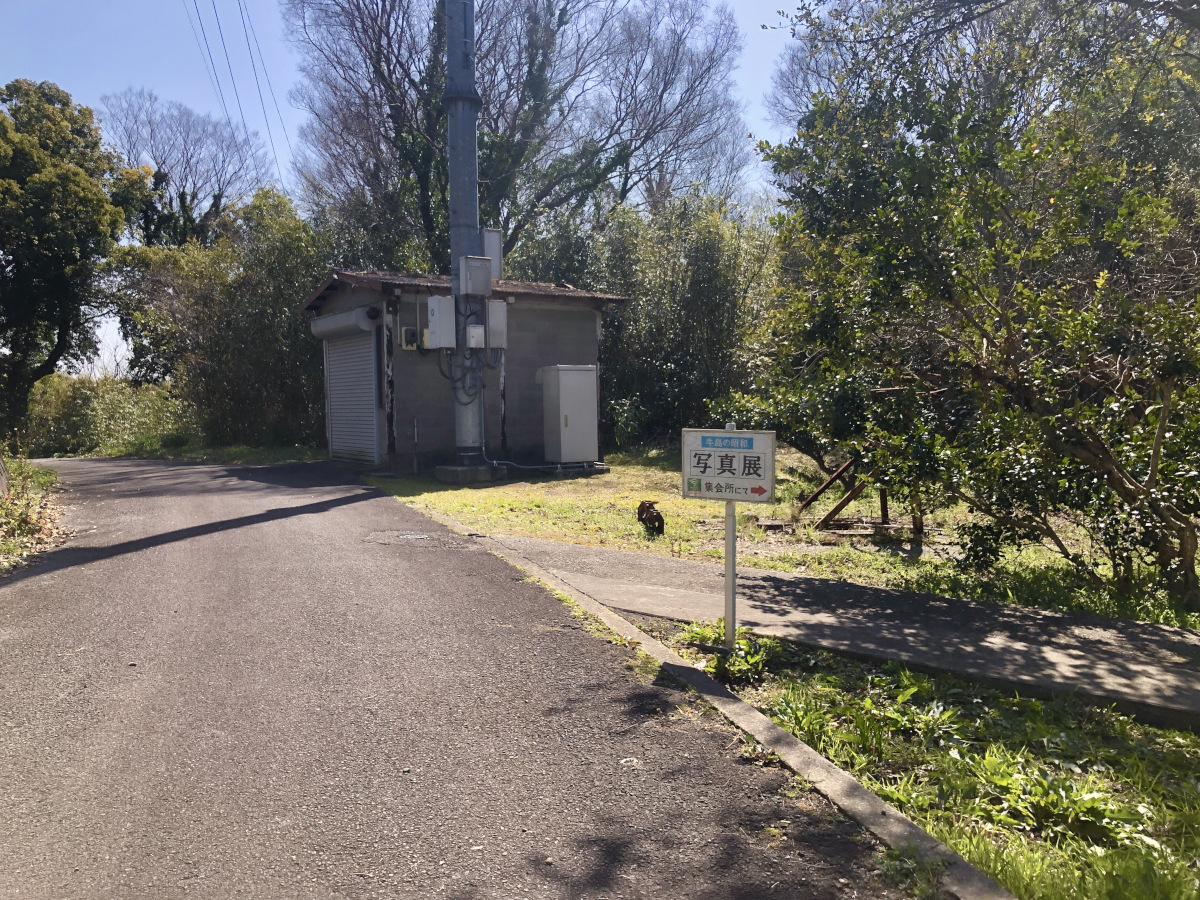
column 570, row 404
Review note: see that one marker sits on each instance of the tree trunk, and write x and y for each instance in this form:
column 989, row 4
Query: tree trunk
column 1188, row 585
column 3, row 477
column 1177, row 564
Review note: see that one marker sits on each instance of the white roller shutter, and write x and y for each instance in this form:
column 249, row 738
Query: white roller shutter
column 350, row 392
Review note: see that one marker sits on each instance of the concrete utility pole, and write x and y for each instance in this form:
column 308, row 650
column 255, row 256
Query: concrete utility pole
column 462, row 112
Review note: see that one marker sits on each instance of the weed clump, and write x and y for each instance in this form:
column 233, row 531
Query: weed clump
column 1055, row 799
column 26, row 516
column 746, row 663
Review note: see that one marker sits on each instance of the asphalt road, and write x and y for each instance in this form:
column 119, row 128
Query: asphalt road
column 276, row 682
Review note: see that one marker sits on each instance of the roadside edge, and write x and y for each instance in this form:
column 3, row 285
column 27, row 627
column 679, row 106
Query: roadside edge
column 959, row 879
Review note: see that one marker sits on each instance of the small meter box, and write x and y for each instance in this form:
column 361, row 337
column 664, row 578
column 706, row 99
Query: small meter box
column 570, row 413
column 475, row 276
column 441, row 324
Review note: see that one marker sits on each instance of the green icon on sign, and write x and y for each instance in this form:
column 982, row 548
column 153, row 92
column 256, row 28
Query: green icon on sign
column 694, row 484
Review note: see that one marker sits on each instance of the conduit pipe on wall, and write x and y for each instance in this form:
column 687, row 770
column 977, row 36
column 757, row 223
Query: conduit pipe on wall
column 344, row 324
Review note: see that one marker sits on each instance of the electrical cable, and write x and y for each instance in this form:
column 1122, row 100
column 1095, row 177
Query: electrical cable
column 270, row 87
column 195, row 34
column 258, row 85
column 212, row 62
column 229, row 65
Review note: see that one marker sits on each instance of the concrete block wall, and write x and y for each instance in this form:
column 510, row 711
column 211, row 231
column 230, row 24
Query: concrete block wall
column 540, row 333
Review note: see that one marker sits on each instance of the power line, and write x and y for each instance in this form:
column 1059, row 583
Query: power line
column 258, row 86
column 211, row 62
column 229, row 64
column 195, row 34
column 270, row 87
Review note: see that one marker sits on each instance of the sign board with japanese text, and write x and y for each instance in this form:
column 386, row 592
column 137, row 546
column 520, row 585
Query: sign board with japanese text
column 729, row 465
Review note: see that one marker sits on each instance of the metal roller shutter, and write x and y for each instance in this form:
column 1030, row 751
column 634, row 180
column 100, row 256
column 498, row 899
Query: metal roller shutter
column 350, row 386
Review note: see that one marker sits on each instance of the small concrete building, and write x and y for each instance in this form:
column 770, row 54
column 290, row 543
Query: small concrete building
column 387, row 401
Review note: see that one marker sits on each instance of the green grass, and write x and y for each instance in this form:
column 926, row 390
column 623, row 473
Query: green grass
column 1057, row 800
column 27, row 518
column 601, row 510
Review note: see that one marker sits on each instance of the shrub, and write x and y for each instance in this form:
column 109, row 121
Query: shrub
column 106, row 416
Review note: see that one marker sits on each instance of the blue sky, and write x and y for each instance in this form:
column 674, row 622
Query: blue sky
column 96, row 47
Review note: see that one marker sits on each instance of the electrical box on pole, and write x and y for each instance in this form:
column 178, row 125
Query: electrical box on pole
column 493, row 249
column 497, row 325
column 475, row 276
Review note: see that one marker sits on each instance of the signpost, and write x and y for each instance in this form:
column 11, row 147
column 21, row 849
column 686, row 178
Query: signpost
column 729, row 465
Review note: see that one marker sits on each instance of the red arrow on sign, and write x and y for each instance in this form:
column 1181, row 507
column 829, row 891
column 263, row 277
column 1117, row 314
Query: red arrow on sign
column 759, row 490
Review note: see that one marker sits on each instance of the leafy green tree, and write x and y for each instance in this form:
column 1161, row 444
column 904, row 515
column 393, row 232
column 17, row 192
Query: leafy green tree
column 57, row 224
column 993, row 281
column 697, row 273
column 221, row 322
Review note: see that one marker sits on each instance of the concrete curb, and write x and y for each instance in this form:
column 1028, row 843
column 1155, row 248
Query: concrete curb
column 959, row 880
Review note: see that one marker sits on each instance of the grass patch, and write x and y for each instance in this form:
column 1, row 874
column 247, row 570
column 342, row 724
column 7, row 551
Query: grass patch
column 644, row 666
column 1056, row 800
column 905, row 866
column 27, row 517
column 601, row 510
column 590, row 623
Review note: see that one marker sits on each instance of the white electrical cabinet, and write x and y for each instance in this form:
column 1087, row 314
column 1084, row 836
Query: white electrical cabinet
column 441, row 324
column 570, row 396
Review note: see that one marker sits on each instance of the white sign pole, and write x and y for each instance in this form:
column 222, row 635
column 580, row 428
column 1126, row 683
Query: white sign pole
column 722, row 465
column 730, row 566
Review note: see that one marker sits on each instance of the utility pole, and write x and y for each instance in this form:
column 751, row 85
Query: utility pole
column 462, row 113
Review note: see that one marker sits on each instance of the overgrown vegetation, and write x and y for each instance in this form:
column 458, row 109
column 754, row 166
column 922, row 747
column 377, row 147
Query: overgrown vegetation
column 27, row 517
column 698, row 274
column 219, row 324
column 104, row 416
column 990, row 243
column 1055, row 799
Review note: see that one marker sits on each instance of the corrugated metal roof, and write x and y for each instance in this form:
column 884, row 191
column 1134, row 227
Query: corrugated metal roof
column 440, row 284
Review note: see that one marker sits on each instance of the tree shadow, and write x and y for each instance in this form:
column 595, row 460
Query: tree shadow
column 1141, row 666
column 151, row 479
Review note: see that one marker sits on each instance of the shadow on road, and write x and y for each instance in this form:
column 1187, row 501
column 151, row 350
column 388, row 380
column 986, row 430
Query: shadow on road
column 68, row 556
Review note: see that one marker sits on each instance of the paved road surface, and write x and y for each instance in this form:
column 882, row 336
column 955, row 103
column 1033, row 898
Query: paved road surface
column 1151, row 670
column 276, row 683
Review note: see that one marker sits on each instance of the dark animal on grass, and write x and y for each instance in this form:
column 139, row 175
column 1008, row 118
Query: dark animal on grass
column 652, row 520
